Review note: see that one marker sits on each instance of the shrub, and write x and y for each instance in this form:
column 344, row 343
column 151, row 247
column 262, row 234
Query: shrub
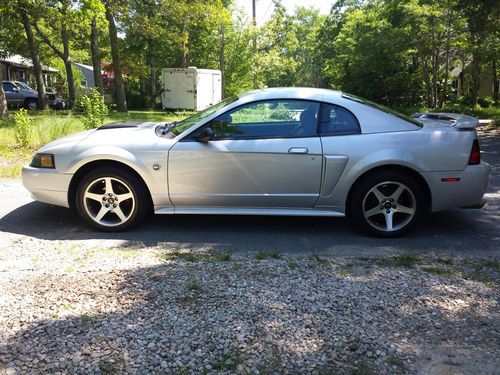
column 95, row 110
column 485, row 102
column 281, row 113
column 465, row 100
column 22, row 127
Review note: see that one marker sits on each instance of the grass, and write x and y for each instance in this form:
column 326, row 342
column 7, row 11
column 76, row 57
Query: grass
column 262, row 255
column 86, row 319
column 447, row 261
column 440, row 271
column 406, row 261
column 396, row 362
column 50, row 125
column 494, row 265
column 363, row 368
column 319, row 259
column 229, row 361
column 481, row 277
column 402, row 260
column 187, row 256
column 194, row 285
column 344, row 272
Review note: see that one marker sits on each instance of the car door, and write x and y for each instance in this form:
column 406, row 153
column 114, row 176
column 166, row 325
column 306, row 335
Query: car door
column 265, row 154
column 12, row 93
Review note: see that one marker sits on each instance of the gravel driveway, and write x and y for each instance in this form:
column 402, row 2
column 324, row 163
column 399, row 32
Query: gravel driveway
column 249, row 295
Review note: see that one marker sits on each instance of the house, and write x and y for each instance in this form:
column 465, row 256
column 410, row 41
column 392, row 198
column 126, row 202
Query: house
column 19, row 68
column 461, row 81
column 88, row 75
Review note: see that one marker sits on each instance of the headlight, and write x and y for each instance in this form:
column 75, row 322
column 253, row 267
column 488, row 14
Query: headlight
column 43, row 161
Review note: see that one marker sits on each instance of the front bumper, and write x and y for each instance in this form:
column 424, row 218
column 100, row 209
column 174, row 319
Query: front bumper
column 47, row 185
column 467, row 192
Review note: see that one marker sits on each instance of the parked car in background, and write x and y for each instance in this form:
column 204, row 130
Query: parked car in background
column 20, row 94
column 281, row 151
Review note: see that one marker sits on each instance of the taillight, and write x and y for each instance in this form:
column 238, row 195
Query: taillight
column 475, row 153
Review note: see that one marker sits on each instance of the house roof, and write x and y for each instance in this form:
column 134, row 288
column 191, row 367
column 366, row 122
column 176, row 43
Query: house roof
column 85, row 67
column 24, row 62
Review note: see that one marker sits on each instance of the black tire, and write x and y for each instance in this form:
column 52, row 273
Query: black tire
column 123, row 183
column 31, row 104
column 365, row 203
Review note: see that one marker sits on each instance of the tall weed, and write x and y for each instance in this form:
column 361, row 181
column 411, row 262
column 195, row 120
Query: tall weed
column 49, row 128
column 22, row 128
column 95, row 110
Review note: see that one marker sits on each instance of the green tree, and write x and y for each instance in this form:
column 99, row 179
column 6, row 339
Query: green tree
column 111, row 10
column 483, row 37
column 55, row 26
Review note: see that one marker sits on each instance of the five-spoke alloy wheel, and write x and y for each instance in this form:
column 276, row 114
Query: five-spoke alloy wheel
column 387, row 203
column 111, row 198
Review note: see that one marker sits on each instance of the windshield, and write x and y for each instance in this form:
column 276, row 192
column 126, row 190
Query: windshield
column 24, row 86
column 382, row 108
column 190, row 121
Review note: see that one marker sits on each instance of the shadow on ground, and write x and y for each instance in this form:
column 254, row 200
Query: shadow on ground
column 246, row 313
column 454, row 231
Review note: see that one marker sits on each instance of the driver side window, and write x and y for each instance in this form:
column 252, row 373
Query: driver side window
column 268, row 119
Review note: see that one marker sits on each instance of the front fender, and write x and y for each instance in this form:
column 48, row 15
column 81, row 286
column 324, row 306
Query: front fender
column 109, row 153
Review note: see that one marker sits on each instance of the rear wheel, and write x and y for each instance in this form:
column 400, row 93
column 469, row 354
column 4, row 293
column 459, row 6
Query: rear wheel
column 111, row 199
column 387, row 204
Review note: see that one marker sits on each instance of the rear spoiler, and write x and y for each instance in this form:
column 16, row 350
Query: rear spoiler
column 456, row 120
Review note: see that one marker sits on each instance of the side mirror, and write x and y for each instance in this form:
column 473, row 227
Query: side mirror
column 204, row 135
column 15, row 89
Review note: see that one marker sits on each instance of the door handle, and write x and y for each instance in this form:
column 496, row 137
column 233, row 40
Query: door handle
column 298, row 150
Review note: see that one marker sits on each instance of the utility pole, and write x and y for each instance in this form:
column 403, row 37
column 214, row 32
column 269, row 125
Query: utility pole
column 254, row 17
column 221, row 59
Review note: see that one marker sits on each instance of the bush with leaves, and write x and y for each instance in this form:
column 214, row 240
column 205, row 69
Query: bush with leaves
column 22, row 128
column 485, row 102
column 95, row 110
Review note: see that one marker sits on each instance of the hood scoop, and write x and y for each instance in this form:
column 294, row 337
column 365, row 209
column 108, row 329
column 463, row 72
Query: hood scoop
column 118, row 125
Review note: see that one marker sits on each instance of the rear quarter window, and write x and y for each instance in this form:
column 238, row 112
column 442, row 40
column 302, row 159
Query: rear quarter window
column 336, row 120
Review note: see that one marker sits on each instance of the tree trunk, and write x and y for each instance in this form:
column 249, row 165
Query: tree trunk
column 495, row 79
column 444, row 92
column 67, row 64
column 428, row 86
column 96, row 55
column 222, row 59
column 475, row 74
column 64, row 56
column 152, row 76
column 3, row 99
column 35, row 58
column 435, row 73
column 183, row 55
column 461, row 89
column 121, row 101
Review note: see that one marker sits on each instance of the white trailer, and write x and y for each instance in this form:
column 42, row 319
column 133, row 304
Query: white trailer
column 190, row 88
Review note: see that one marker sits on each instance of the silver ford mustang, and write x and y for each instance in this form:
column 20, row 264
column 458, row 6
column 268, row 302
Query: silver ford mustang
column 280, row 151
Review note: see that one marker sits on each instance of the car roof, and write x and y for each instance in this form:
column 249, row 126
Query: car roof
column 310, row 93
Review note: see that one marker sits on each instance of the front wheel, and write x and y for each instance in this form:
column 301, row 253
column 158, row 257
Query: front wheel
column 31, row 104
column 387, row 204
column 111, row 199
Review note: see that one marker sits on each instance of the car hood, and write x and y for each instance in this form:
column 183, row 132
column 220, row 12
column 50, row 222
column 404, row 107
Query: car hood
column 126, row 135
